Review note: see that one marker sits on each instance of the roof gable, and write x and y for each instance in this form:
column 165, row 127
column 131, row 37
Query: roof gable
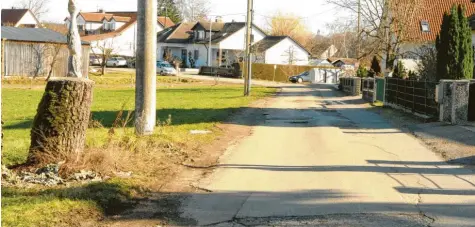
column 215, row 26
column 179, row 33
column 113, row 34
column 13, row 16
column 95, row 17
column 267, row 43
column 165, row 22
column 270, row 41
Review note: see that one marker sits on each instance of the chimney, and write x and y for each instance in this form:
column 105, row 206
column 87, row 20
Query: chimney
column 219, row 20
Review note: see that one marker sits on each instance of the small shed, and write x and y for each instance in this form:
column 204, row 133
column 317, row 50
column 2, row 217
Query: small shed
column 37, row 52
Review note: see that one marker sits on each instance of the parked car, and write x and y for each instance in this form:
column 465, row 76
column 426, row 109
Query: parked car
column 225, row 70
column 165, row 69
column 303, row 77
column 116, row 62
column 95, row 60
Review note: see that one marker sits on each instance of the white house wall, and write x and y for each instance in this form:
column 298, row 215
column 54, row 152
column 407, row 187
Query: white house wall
column 279, row 53
column 237, row 40
column 28, row 18
column 124, row 44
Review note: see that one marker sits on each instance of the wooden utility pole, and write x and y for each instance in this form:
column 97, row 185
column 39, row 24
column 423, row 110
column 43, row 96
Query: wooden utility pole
column 358, row 51
column 146, row 72
column 248, row 76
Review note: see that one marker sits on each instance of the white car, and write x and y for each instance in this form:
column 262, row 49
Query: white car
column 164, row 68
column 116, row 62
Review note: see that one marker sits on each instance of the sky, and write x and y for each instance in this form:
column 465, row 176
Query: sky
column 315, row 13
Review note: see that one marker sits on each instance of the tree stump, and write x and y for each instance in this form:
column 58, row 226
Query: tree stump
column 62, row 118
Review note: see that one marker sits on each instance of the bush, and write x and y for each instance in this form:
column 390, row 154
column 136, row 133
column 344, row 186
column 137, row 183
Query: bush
column 399, row 71
column 362, row 72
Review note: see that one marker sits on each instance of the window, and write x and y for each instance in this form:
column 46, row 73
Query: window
column 201, row 34
column 425, row 26
column 112, row 25
column 197, row 54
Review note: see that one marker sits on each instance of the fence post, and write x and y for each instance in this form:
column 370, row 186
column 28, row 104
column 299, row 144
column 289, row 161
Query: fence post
column 413, row 96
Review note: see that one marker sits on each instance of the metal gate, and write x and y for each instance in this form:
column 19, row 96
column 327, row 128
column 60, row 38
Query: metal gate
column 380, row 86
column 471, row 102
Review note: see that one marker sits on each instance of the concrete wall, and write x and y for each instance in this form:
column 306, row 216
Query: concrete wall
column 279, row 54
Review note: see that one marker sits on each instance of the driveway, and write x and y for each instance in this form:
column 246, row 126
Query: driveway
column 324, row 160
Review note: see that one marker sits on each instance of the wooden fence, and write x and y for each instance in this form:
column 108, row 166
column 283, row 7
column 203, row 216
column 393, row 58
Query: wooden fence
column 28, row 59
column 416, row 96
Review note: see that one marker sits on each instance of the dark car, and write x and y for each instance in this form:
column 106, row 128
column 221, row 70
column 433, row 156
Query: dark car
column 225, row 70
column 303, row 77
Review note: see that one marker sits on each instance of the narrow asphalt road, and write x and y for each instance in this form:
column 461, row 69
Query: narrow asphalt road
column 324, row 160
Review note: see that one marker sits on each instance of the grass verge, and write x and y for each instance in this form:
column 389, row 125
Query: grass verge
column 151, row 159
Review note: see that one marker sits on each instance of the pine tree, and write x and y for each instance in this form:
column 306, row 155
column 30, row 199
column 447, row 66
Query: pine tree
column 466, row 50
column 168, row 8
column 375, row 67
column 441, row 45
column 453, row 42
column 454, row 46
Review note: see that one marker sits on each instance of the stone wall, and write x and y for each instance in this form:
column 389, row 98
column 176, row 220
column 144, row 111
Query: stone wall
column 351, row 85
column 454, row 99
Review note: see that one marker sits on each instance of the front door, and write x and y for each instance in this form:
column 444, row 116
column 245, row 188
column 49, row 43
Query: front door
column 184, row 54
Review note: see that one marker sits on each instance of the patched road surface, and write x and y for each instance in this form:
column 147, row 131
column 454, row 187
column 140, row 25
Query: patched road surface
column 323, row 160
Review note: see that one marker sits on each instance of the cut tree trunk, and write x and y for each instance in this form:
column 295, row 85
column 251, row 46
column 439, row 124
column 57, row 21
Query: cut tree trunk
column 61, row 121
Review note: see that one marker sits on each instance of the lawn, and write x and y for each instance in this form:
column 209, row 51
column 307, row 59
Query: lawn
column 185, row 106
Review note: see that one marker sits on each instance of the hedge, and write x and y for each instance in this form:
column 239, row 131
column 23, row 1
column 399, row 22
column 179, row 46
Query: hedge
column 282, row 72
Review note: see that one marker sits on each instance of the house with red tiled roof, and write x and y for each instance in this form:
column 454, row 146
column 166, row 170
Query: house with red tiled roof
column 114, row 30
column 426, row 23
column 19, row 18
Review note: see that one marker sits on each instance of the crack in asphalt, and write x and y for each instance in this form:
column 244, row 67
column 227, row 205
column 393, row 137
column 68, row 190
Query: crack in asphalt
column 419, row 201
column 318, row 219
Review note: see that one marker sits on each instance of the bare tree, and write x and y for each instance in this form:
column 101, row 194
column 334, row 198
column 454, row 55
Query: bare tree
column 193, row 10
column 428, row 62
column 282, row 24
column 106, row 50
column 37, row 7
column 385, row 24
column 38, row 62
column 52, row 57
column 344, row 36
column 291, row 56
